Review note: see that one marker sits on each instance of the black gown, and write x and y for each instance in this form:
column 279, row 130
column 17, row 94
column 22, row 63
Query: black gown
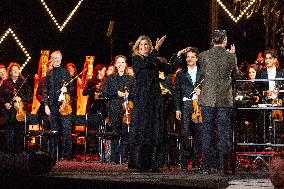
column 146, row 133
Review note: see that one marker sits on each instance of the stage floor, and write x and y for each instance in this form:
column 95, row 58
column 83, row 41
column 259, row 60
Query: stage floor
column 108, row 175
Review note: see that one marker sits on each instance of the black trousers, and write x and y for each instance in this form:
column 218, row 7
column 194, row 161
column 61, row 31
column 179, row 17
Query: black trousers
column 190, row 150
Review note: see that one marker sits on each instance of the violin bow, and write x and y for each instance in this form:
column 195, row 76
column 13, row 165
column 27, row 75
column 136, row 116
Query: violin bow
column 196, row 87
column 21, row 85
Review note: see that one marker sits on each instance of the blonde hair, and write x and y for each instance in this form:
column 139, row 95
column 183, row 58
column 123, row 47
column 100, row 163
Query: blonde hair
column 54, row 53
column 135, row 47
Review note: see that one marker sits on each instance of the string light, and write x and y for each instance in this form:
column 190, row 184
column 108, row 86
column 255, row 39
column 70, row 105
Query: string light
column 10, row 31
column 236, row 19
column 61, row 27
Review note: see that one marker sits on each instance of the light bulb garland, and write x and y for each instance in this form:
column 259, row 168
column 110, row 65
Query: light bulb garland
column 61, row 27
column 19, row 43
column 236, row 19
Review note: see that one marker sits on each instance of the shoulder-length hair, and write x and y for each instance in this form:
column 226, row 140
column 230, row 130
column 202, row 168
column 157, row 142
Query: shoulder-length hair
column 10, row 67
column 115, row 71
column 96, row 70
column 135, row 47
column 70, row 64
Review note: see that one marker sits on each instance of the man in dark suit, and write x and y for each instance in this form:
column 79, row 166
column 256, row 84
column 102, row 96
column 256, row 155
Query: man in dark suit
column 272, row 71
column 54, row 87
column 217, row 66
column 270, row 89
column 187, row 80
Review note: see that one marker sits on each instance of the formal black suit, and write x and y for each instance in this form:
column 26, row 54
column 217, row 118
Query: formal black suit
column 264, row 85
column 184, row 88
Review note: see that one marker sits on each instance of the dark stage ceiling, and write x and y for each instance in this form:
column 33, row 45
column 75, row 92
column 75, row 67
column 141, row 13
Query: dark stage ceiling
column 186, row 23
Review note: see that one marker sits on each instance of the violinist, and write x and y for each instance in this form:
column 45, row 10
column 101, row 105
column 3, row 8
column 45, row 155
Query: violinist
column 272, row 71
column 93, row 89
column 96, row 103
column 60, row 124
column 16, row 94
column 3, row 76
column 3, row 73
column 186, row 93
column 71, row 68
column 117, row 88
column 270, row 89
column 40, row 97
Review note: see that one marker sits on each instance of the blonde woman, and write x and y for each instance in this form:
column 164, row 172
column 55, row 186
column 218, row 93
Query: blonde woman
column 147, row 131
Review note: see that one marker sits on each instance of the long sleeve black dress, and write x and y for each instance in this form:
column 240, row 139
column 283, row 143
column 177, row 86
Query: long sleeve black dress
column 146, row 134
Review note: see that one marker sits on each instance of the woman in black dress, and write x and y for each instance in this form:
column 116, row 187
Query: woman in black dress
column 146, row 135
column 116, row 89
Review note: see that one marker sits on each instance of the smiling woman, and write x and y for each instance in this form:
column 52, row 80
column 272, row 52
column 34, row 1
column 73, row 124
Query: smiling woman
column 147, row 134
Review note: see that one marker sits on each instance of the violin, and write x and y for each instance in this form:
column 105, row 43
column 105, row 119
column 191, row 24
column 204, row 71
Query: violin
column 21, row 113
column 196, row 116
column 277, row 115
column 65, row 108
column 18, row 104
column 127, row 107
column 64, row 98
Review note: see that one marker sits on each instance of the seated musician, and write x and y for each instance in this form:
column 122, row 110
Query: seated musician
column 116, row 89
column 251, row 87
column 16, row 94
column 271, row 89
column 272, row 71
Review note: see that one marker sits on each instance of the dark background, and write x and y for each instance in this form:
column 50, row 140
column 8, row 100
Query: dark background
column 186, row 23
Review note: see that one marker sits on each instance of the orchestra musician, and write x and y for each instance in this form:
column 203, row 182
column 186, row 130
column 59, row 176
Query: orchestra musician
column 272, row 71
column 109, row 70
column 40, row 97
column 93, row 89
column 186, row 92
column 16, row 95
column 3, row 73
column 96, row 102
column 71, row 68
column 54, row 87
column 3, row 76
column 116, row 89
column 270, row 89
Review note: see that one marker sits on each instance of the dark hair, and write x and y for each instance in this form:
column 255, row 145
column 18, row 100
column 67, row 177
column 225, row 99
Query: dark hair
column 73, row 66
column 218, row 37
column 96, row 69
column 272, row 52
column 194, row 50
